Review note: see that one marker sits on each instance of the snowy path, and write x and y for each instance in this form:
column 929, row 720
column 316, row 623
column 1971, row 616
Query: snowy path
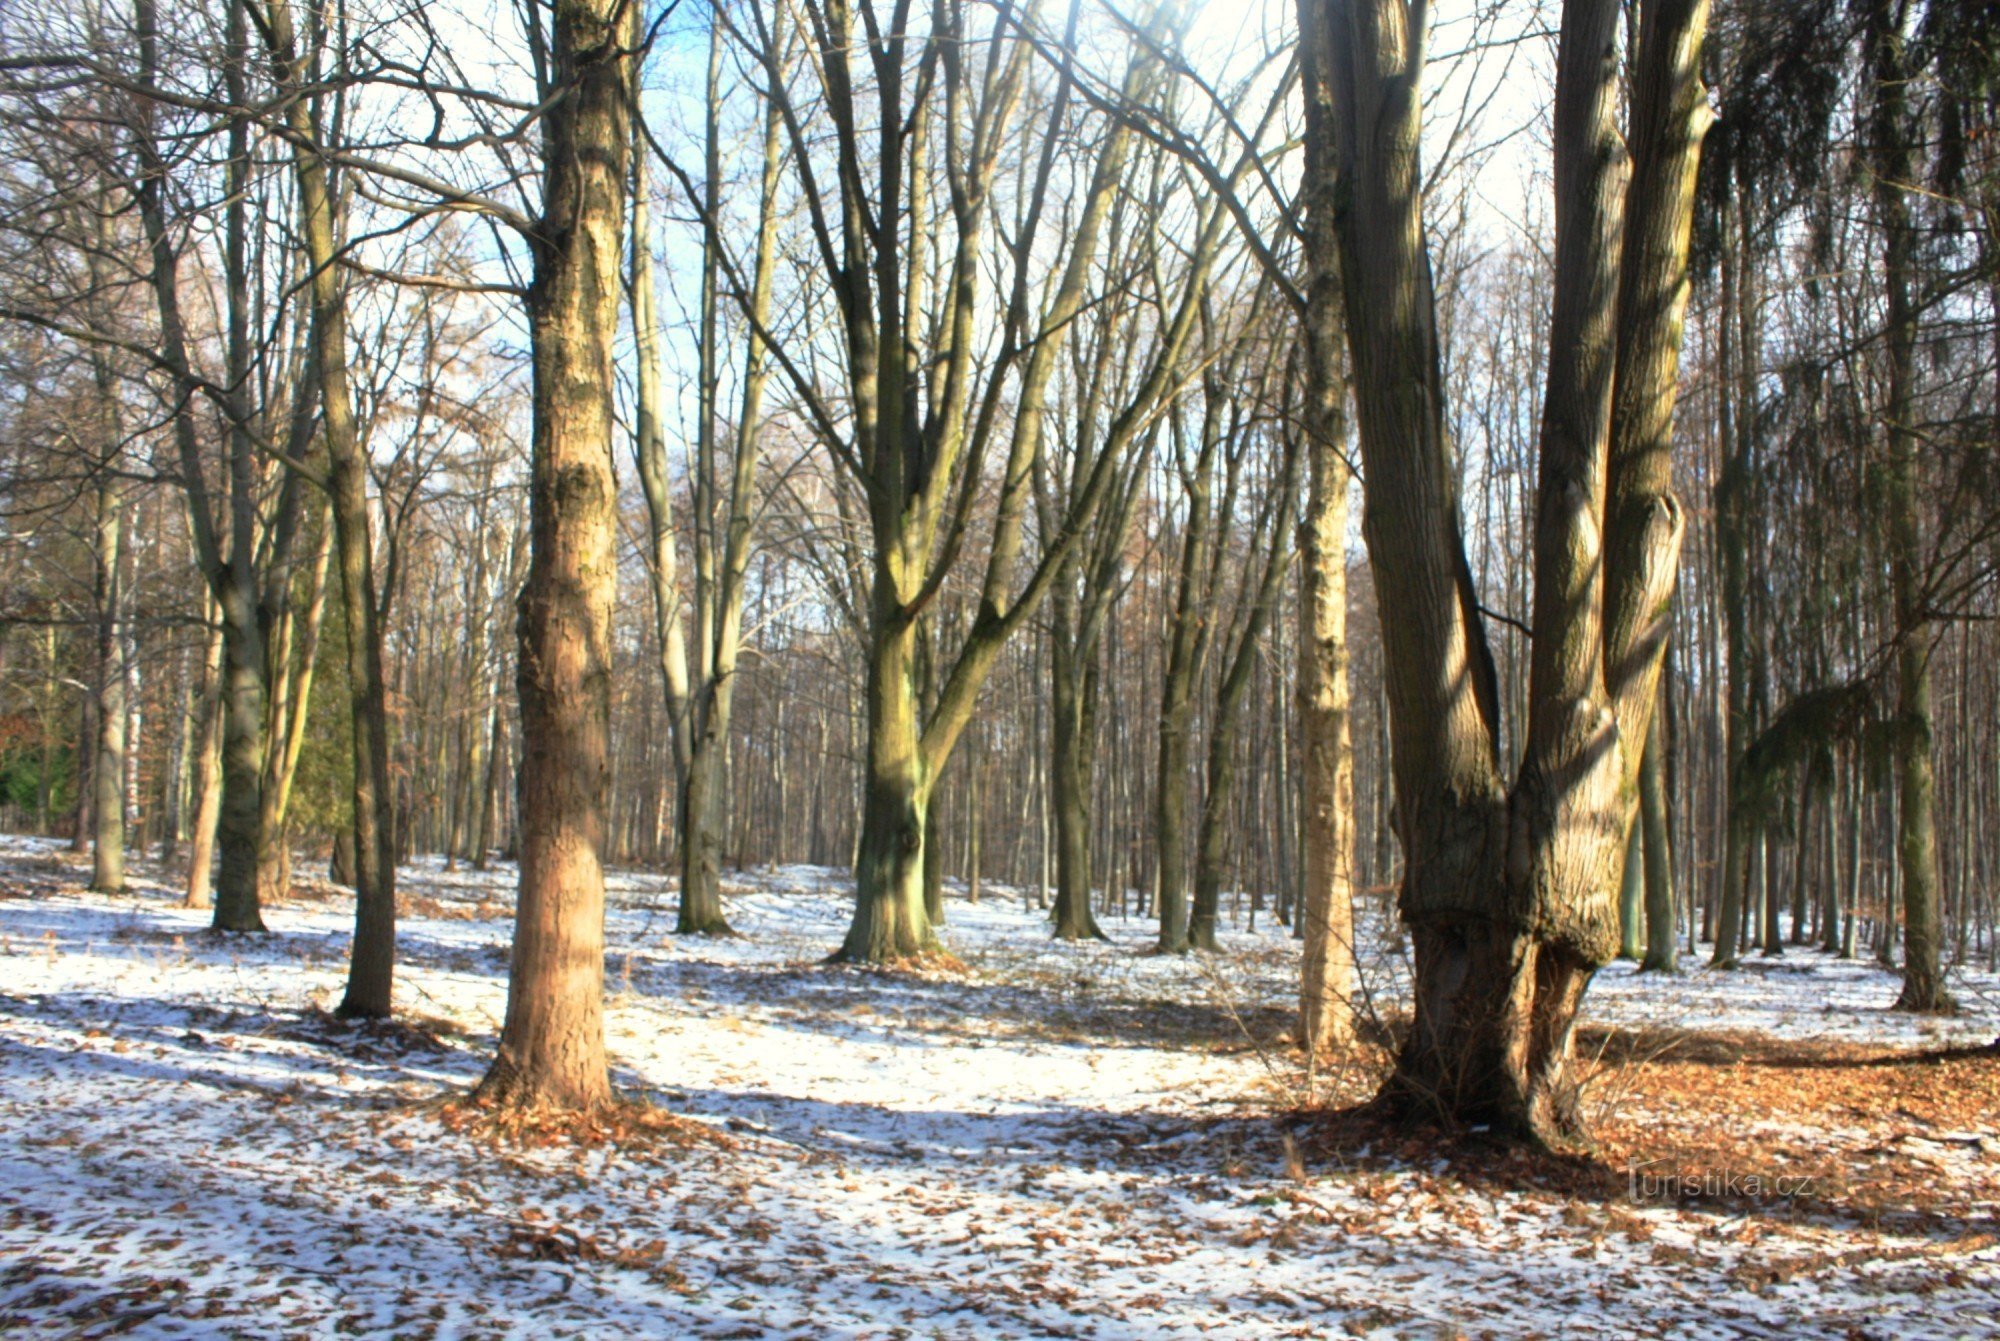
column 1063, row 1141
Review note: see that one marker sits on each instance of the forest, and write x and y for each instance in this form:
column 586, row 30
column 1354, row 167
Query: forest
column 1016, row 668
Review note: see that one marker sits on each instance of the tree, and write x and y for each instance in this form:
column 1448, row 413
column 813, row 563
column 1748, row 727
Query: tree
column 1891, row 163
column 1509, row 891
column 372, row 964
column 552, row 1045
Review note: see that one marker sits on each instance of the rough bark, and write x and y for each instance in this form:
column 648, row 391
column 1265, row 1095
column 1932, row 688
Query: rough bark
column 1509, row 894
column 552, row 1043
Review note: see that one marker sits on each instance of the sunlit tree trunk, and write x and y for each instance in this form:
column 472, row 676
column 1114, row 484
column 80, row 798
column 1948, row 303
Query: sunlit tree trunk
column 1510, row 893
column 1326, row 740
column 552, row 1043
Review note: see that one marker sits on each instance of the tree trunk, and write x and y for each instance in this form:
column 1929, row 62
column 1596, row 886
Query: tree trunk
column 1631, row 888
column 239, row 828
column 552, row 1045
column 1662, row 941
column 1070, row 773
column 890, row 921
column 108, row 771
column 1326, row 740
column 1509, row 896
column 371, row 967
column 206, row 789
column 1916, row 835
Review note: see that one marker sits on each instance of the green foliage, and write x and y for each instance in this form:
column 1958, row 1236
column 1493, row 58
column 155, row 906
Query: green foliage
column 21, row 778
column 1804, row 734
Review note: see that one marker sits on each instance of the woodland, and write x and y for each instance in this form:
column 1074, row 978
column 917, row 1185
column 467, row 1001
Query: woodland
column 999, row 668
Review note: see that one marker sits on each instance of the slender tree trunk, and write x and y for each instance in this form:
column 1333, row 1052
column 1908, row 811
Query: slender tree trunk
column 1212, row 847
column 1631, row 892
column 1916, row 836
column 108, row 771
column 1070, row 778
column 371, row 967
column 1325, row 707
column 1662, row 942
column 206, row 789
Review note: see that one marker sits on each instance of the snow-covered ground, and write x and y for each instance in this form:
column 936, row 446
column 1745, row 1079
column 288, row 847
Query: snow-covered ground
column 1060, row 1140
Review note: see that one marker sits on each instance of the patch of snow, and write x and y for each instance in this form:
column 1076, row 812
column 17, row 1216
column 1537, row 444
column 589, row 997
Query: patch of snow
column 1065, row 1140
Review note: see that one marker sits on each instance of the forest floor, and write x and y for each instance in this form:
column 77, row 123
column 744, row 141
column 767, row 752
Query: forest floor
column 1051, row 1141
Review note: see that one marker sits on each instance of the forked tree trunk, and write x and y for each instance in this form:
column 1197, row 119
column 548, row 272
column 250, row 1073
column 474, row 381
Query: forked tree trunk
column 1070, row 754
column 1510, row 894
column 1187, row 649
column 552, row 1043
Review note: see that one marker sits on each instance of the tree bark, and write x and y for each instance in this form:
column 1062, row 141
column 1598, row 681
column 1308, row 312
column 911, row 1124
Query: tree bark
column 1916, row 832
column 1662, row 940
column 107, row 874
column 1326, row 903
column 1509, row 895
column 891, row 923
column 552, row 1044
column 371, row 968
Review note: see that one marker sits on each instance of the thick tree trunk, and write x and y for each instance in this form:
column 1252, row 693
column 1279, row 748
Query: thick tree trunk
column 552, row 1044
column 1510, row 897
column 701, row 851
column 239, row 833
column 890, row 922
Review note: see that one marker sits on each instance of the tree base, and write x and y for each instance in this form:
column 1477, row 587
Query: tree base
column 250, row 924
column 531, row 1095
column 714, row 924
column 350, row 1009
column 1918, row 999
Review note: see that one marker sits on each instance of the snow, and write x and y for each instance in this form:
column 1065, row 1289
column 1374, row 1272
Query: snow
column 1062, row 1140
